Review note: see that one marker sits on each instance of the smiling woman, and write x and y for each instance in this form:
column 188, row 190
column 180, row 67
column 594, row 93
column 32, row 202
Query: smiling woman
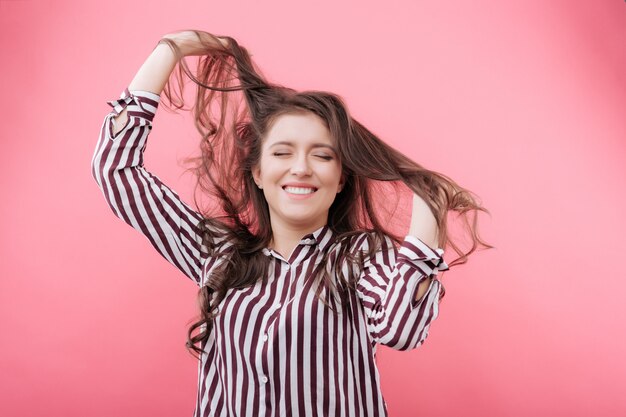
column 299, row 278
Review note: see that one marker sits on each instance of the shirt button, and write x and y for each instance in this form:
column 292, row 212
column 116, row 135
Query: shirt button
column 265, row 338
column 287, row 266
column 278, row 305
column 264, row 379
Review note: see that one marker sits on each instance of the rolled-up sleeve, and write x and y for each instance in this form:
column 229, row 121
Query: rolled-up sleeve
column 139, row 197
column 387, row 288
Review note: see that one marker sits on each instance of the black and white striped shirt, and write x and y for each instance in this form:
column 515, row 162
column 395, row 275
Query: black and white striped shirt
column 275, row 348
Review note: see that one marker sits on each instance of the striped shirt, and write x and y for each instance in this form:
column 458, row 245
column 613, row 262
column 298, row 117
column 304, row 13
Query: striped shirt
column 275, row 348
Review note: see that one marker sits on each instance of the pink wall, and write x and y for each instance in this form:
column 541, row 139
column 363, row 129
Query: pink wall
column 521, row 102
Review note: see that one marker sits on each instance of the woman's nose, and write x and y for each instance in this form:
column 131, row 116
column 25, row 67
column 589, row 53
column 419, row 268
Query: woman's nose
column 301, row 166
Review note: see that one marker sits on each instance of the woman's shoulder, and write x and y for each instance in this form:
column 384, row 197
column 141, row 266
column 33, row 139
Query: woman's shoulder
column 364, row 239
column 218, row 236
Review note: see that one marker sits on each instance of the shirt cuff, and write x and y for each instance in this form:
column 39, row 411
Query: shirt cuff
column 140, row 103
column 418, row 254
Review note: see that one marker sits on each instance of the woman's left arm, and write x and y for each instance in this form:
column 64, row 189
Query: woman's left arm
column 424, row 227
column 398, row 288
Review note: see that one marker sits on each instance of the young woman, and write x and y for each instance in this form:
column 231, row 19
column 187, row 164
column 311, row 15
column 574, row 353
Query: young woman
column 299, row 278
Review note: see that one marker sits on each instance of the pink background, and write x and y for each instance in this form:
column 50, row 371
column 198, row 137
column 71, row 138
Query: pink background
column 521, row 102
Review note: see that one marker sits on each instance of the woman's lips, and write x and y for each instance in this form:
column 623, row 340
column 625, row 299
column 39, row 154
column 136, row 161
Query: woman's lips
column 297, row 196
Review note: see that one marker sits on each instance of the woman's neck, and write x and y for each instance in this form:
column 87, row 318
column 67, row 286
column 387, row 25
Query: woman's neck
column 286, row 238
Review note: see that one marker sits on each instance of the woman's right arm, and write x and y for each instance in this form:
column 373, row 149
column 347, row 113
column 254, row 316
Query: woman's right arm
column 134, row 194
column 155, row 71
column 151, row 77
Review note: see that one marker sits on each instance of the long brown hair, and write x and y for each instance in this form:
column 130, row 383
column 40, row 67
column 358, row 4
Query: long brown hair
column 232, row 134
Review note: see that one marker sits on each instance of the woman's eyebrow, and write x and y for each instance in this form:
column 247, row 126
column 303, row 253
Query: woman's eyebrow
column 314, row 145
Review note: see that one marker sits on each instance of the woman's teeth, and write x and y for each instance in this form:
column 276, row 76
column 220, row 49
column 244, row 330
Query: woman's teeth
column 298, row 190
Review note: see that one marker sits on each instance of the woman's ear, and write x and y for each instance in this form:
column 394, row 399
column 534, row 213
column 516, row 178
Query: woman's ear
column 256, row 175
column 342, row 182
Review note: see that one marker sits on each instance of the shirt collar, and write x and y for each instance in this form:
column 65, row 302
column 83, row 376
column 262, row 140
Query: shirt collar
column 321, row 237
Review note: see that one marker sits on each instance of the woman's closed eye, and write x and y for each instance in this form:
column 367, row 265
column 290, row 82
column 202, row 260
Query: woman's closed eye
column 321, row 156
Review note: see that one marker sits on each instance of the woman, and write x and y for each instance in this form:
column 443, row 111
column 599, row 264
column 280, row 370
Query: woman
column 299, row 279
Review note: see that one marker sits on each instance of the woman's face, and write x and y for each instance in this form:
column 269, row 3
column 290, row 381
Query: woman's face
column 299, row 171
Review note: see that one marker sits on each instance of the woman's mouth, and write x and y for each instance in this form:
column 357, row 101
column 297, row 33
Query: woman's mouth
column 299, row 193
column 299, row 190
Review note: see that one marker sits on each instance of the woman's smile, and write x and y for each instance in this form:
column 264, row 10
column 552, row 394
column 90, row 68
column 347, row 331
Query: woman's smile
column 299, row 191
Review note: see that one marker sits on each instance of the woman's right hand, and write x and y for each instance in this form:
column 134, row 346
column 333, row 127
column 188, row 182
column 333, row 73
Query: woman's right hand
column 195, row 42
column 155, row 71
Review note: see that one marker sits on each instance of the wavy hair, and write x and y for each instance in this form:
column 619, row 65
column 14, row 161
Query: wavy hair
column 234, row 108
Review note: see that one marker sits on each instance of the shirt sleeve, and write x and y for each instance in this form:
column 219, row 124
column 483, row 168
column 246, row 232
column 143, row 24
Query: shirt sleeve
column 139, row 197
column 387, row 288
